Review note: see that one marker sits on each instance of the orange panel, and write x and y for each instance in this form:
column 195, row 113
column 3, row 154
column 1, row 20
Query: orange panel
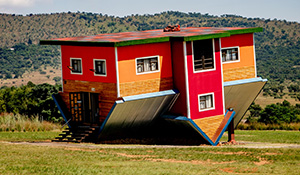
column 127, row 71
column 246, row 58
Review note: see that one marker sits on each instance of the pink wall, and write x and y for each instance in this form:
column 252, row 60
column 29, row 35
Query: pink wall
column 205, row 82
column 87, row 54
column 180, row 106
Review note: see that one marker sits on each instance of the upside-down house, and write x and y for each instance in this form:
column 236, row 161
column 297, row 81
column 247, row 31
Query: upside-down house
column 189, row 84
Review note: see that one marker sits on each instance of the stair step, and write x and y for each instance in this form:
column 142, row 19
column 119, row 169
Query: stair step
column 76, row 134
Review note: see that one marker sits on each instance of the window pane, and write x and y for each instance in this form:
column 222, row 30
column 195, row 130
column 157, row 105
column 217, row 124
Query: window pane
column 206, row 102
column 100, row 67
column 147, row 65
column 230, row 54
column 203, row 54
column 76, row 65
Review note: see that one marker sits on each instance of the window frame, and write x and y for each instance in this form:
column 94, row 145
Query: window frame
column 214, row 59
column 148, row 57
column 213, row 102
column 94, row 67
column 78, row 73
column 231, row 61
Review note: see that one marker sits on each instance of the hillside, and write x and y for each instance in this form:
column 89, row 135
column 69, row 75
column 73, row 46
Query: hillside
column 277, row 48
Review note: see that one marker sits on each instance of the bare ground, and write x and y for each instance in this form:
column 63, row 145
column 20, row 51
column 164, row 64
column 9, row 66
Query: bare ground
column 94, row 146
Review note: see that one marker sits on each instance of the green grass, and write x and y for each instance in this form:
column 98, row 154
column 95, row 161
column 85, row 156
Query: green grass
column 291, row 137
column 103, row 159
column 30, row 159
column 28, row 136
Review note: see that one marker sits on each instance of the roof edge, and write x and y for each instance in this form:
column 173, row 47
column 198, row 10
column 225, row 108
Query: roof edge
column 142, row 41
column 209, row 36
column 246, row 30
column 76, row 43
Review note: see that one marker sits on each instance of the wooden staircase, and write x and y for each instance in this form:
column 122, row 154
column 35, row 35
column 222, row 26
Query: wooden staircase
column 78, row 134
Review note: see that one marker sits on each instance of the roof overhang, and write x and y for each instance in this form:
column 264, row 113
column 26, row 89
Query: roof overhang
column 240, row 94
column 150, row 36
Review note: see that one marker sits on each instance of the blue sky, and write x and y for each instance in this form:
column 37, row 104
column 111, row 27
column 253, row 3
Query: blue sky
column 280, row 9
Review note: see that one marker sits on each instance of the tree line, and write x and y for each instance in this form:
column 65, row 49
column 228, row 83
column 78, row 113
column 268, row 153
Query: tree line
column 30, row 100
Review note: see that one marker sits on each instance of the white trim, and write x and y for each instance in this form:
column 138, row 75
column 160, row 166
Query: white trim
column 214, row 59
column 186, row 81
column 81, row 65
column 61, row 65
column 117, row 72
column 94, row 63
column 223, row 90
column 235, row 61
column 148, row 72
column 255, row 68
column 213, row 102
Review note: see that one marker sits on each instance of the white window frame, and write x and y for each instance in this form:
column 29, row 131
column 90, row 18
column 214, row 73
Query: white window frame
column 78, row 73
column 94, row 66
column 213, row 101
column 231, row 61
column 148, row 57
column 214, row 59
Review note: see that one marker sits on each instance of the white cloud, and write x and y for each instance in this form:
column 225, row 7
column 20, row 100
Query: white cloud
column 21, row 3
column 17, row 3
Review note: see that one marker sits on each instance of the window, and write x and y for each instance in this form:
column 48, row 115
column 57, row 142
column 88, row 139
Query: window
column 203, row 55
column 147, row 65
column 76, row 65
column 206, row 102
column 100, row 67
column 230, row 54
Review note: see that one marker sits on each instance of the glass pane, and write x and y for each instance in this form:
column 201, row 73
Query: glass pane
column 154, row 64
column 147, row 65
column 209, row 101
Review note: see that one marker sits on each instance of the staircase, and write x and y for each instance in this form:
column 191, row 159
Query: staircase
column 78, row 134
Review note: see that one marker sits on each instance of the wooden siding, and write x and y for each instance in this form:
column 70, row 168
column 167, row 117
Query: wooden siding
column 209, row 125
column 239, row 73
column 107, row 93
column 145, row 86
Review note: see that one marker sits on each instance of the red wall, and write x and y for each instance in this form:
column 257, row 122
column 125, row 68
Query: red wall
column 87, row 54
column 205, row 82
column 238, row 40
column 180, row 106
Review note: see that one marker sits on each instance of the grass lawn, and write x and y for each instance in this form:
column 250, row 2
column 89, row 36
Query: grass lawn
column 77, row 159
column 28, row 136
column 278, row 136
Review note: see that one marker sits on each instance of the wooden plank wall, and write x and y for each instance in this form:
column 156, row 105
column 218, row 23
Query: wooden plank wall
column 209, row 125
column 239, row 73
column 145, row 86
column 107, row 93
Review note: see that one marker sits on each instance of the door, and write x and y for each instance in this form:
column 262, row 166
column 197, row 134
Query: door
column 84, row 107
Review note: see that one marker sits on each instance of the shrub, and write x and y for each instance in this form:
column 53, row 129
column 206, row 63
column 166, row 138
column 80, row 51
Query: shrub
column 11, row 122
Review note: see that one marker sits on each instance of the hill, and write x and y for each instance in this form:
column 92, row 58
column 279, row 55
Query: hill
column 277, row 48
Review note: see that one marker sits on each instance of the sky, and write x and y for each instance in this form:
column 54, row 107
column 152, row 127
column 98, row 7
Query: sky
column 268, row 9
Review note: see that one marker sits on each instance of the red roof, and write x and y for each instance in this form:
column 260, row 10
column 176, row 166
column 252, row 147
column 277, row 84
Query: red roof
column 150, row 36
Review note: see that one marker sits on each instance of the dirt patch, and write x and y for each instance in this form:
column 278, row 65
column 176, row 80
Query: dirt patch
column 86, row 150
column 36, row 77
column 134, row 156
column 228, row 153
column 232, row 170
column 195, row 162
